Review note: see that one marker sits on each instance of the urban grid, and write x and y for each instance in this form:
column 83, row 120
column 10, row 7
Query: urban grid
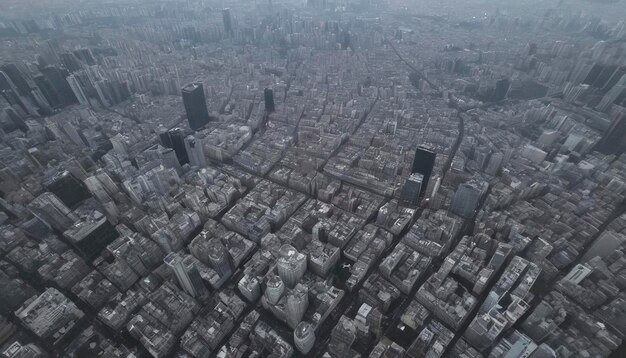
column 312, row 178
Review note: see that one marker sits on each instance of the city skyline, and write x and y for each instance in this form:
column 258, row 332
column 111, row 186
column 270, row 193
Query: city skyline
column 319, row 178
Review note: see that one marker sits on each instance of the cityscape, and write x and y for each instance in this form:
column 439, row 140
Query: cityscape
column 312, row 178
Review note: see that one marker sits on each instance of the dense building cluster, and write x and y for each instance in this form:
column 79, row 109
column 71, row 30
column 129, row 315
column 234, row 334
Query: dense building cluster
column 323, row 179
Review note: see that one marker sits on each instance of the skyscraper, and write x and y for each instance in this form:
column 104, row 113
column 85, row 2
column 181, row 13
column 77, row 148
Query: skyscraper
column 466, row 200
column 297, row 303
column 250, row 288
column 169, row 159
column 67, row 188
column 57, row 78
column 304, row 337
column 502, row 87
column 411, row 190
column 195, row 151
column 19, row 103
column 77, row 89
column 164, row 137
column 52, row 212
column 49, row 92
column 195, row 105
column 614, row 139
column 228, row 23
column 90, row 235
column 16, row 119
column 423, row 163
column 275, row 287
column 291, row 265
column 186, row 273
column 269, row 99
column 177, row 138
column 219, row 258
column 17, row 78
column 342, row 337
column 5, row 82
column 96, row 188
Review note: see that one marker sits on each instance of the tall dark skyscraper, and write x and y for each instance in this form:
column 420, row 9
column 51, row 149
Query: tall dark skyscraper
column 48, row 90
column 269, row 100
column 16, row 119
column 70, row 62
column 5, row 82
column 164, row 137
column 423, row 163
column 14, row 100
column 502, row 87
column 177, row 138
column 228, row 23
column 614, row 139
column 195, row 105
column 17, row 77
column 57, row 78
column 66, row 187
column 91, row 234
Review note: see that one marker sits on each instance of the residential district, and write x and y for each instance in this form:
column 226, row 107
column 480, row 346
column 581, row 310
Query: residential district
column 317, row 178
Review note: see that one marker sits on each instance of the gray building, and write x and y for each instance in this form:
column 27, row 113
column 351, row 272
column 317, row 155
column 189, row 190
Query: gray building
column 411, row 191
column 466, row 200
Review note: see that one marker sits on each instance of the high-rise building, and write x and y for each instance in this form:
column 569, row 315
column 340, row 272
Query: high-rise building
column 70, row 62
column 195, row 105
column 466, row 200
column 186, row 273
column 368, row 321
column 177, row 138
column 615, row 93
column 275, row 287
column 502, row 87
column 70, row 190
column 85, row 55
column 219, row 259
column 91, row 234
column 423, row 163
column 291, row 265
column 195, row 152
column 411, row 190
column 49, row 92
column 297, row 303
column 342, row 337
column 304, row 337
column 169, row 159
column 164, row 137
column 16, row 76
column 614, row 139
column 57, row 78
column 5, row 82
column 16, row 119
column 77, row 89
column 228, row 22
column 52, row 212
column 19, row 103
column 268, row 93
column 250, row 288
